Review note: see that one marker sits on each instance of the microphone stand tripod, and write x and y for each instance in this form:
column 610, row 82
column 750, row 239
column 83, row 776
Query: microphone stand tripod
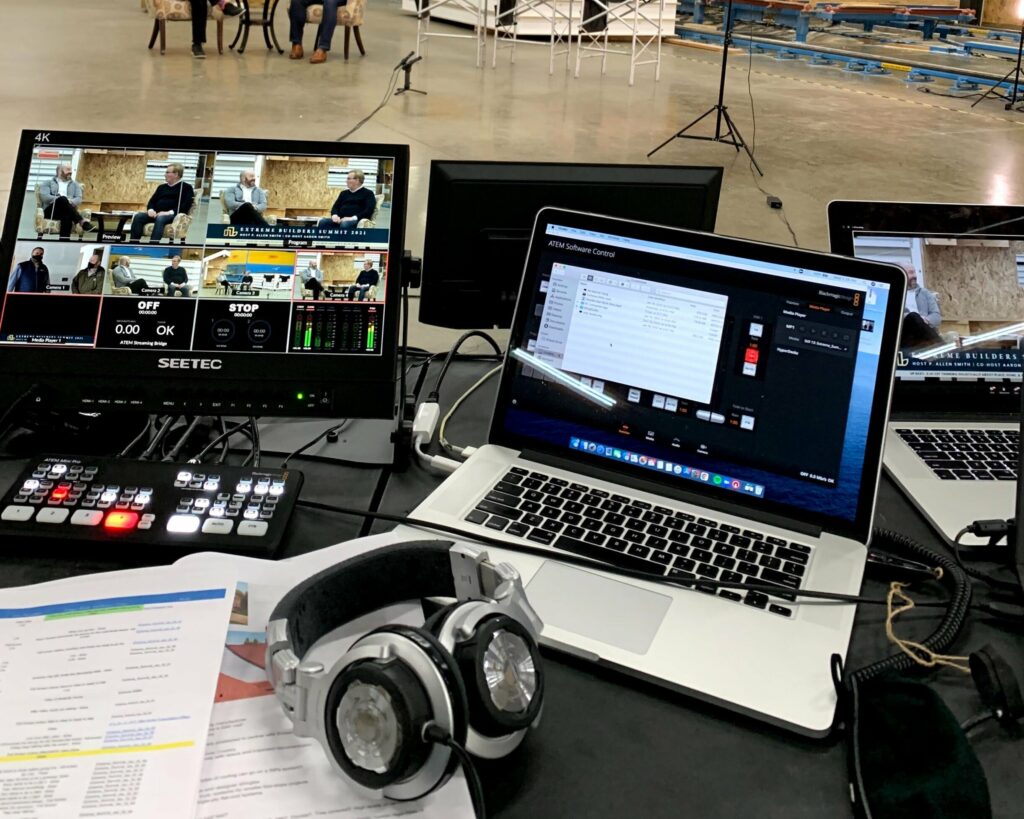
column 406, row 66
column 1015, row 72
column 731, row 135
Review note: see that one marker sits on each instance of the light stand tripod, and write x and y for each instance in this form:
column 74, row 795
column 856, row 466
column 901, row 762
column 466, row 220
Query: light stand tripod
column 731, row 135
column 406, row 66
column 1015, row 72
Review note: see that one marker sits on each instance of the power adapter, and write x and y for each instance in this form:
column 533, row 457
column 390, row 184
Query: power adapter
column 774, row 202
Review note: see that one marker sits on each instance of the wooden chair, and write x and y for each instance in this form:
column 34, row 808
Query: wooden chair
column 179, row 11
column 350, row 16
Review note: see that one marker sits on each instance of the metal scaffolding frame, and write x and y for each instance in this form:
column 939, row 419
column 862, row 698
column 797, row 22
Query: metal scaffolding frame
column 478, row 8
column 597, row 39
column 506, row 28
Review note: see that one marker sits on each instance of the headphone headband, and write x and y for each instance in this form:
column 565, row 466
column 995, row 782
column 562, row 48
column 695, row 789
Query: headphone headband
column 362, row 584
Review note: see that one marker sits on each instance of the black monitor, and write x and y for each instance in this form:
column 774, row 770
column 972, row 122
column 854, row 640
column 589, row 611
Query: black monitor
column 203, row 274
column 962, row 342
column 480, row 214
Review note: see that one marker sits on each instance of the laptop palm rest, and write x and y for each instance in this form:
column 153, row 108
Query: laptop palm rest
column 597, row 607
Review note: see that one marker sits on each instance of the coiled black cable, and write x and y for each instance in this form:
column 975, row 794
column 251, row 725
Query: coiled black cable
column 952, row 621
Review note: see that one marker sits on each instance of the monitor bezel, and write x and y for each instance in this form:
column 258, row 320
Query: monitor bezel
column 939, row 394
column 367, row 381
column 857, row 528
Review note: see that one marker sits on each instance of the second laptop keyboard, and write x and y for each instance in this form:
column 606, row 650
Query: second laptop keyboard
column 965, row 454
column 641, row 536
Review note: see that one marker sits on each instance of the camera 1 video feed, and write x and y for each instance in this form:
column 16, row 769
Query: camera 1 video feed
column 965, row 299
column 117, row 195
column 237, row 273
column 340, row 275
column 300, row 201
column 51, row 294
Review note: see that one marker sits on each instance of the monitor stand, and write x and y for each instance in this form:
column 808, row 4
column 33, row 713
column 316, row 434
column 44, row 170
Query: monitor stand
column 367, row 441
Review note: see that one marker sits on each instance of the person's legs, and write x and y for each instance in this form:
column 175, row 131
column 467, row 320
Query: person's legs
column 138, row 286
column 246, row 214
column 158, row 227
column 316, row 287
column 351, row 294
column 297, row 20
column 199, row 11
column 329, row 24
column 139, row 222
column 326, row 222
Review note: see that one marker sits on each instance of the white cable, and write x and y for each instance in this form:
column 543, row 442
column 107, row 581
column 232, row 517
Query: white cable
column 423, row 427
column 448, row 447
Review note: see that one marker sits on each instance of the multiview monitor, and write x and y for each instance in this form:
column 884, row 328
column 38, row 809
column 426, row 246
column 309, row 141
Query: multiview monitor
column 205, row 274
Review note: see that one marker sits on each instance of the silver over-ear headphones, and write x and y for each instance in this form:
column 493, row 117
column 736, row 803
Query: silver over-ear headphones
column 471, row 675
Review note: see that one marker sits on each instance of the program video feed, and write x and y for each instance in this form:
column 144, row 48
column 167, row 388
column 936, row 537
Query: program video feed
column 339, row 276
column 965, row 299
column 300, row 201
column 117, row 195
column 248, row 274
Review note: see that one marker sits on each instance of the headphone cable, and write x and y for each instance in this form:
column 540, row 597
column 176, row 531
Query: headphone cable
column 433, row 733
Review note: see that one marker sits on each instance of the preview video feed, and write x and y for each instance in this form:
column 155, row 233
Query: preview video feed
column 300, row 201
column 147, row 270
column 339, row 276
column 241, row 325
column 59, row 268
column 236, row 273
column 965, row 299
column 117, row 195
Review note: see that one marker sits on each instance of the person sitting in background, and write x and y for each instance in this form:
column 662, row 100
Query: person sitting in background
column 229, row 7
column 921, row 300
column 297, row 23
column 61, row 197
column 368, row 277
column 352, row 205
column 89, row 280
column 312, row 279
column 123, row 276
column 245, row 202
column 31, row 276
column 176, row 278
column 168, row 200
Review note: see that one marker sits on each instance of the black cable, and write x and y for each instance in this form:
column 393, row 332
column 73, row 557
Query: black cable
column 336, row 428
column 432, row 733
column 225, row 446
column 988, row 580
column 953, row 619
column 569, row 557
column 153, row 444
column 392, row 82
column 224, row 436
column 15, row 404
column 150, row 419
column 435, row 393
column 254, row 453
column 176, row 449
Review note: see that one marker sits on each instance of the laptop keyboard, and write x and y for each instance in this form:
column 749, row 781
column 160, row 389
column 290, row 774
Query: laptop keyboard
column 634, row 534
column 965, row 454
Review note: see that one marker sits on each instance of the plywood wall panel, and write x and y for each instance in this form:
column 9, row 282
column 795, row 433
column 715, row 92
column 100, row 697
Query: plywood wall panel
column 975, row 284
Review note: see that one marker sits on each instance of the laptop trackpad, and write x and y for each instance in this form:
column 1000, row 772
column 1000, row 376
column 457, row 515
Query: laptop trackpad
column 597, row 607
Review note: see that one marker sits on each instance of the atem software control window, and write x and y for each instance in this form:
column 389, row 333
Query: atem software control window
column 704, row 373
column 200, row 251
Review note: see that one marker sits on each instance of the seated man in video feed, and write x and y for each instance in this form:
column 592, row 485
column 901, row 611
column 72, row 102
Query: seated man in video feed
column 168, row 200
column 176, row 278
column 89, row 280
column 31, row 275
column 921, row 314
column 368, row 277
column 245, row 202
column 61, row 197
column 123, row 276
column 352, row 205
column 313, row 280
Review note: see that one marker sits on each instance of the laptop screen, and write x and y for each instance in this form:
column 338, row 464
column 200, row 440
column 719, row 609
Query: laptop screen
column 744, row 372
column 963, row 318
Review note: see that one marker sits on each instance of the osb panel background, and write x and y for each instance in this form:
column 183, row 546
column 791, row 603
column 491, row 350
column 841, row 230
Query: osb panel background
column 339, row 268
column 1000, row 13
column 299, row 184
column 975, row 284
column 117, row 177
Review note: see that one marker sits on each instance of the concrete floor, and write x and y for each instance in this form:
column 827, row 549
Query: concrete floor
column 820, row 133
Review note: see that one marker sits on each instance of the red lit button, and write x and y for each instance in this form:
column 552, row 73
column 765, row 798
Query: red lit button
column 751, row 356
column 60, row 493
column 121, row 520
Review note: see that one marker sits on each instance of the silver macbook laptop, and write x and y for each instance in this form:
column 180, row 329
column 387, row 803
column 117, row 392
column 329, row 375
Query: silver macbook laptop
column 952, row 443
column 695, row 407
